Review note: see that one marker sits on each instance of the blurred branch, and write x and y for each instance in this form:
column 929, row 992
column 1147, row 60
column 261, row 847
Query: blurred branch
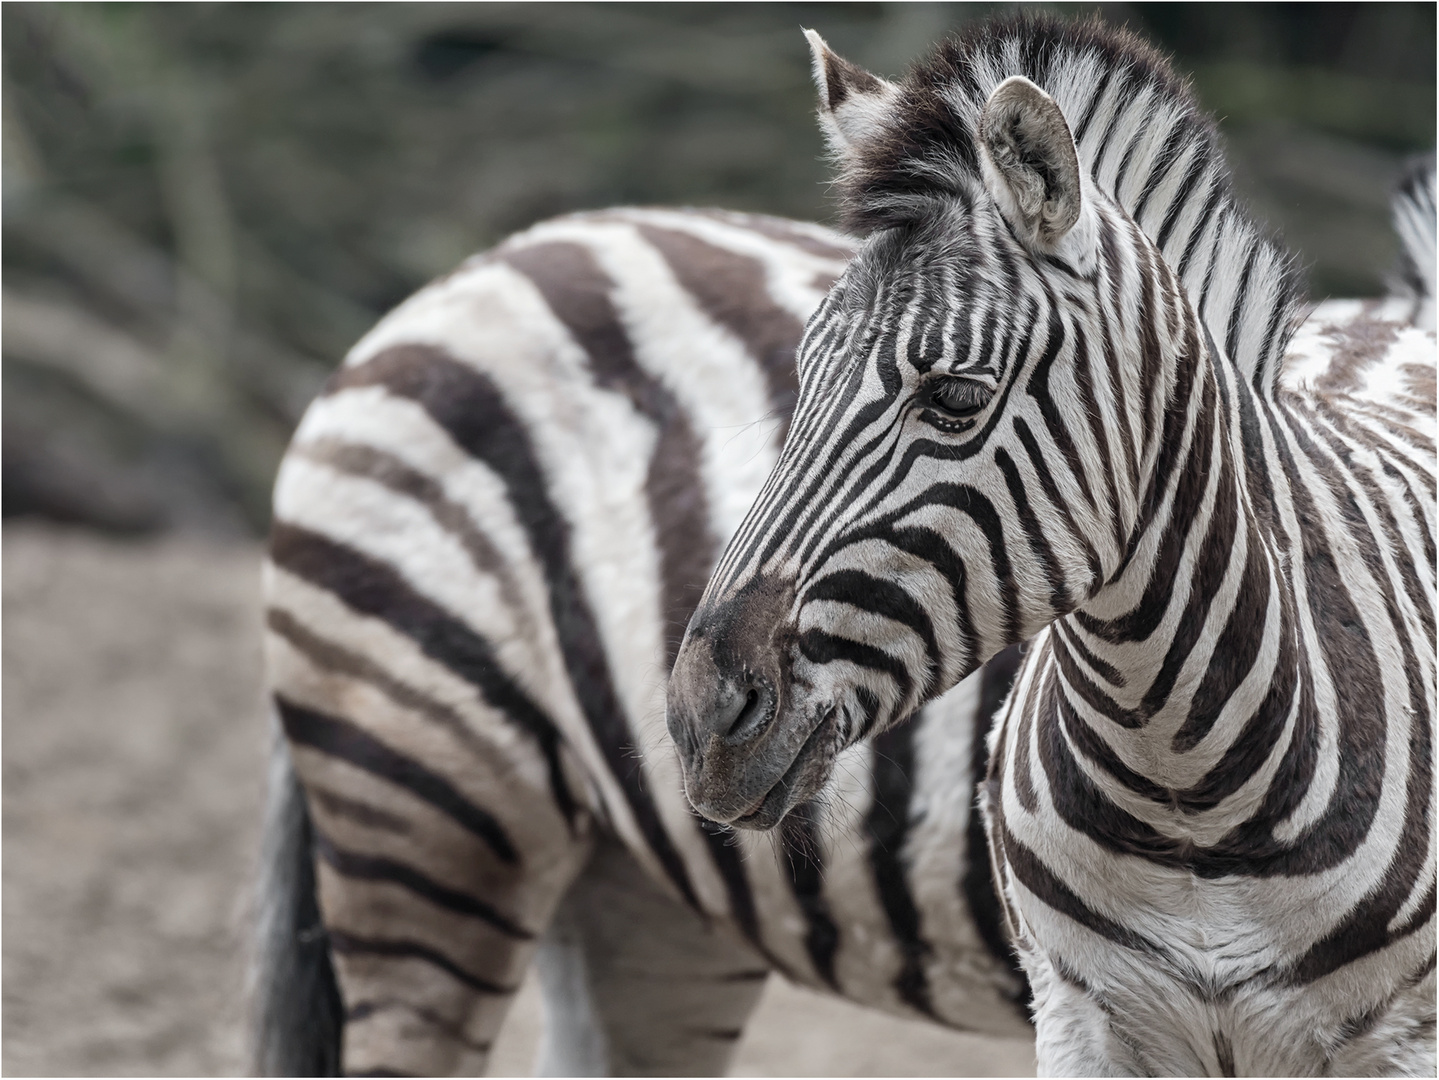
column 127, row 56
column 117, row 264
column 112, row 365
column 21, row 169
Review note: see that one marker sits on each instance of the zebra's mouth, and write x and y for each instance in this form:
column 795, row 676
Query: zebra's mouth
column 804, row 777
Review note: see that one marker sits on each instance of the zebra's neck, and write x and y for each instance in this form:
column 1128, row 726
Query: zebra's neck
column 1184, row 662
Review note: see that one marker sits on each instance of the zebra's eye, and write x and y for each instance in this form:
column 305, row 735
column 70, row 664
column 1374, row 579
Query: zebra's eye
column 959, row 399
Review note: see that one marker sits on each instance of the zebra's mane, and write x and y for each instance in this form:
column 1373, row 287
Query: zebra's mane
column 1141, row 135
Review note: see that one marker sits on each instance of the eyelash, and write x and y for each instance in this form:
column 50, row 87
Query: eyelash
column 953, row 401
column 961, row 394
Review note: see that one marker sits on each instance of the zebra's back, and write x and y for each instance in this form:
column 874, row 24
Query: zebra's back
column 490, row 532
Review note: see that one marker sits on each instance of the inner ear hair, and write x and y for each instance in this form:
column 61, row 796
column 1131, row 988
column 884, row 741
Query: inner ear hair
column 1033, row 169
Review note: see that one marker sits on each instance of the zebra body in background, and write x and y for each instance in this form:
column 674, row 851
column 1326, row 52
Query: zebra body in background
column 1059, row 395
column 490, row 532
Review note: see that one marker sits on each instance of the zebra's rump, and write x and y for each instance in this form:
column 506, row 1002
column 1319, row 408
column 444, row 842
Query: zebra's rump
column 490, row 533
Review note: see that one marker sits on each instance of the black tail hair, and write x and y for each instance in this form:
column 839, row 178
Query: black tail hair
column 298, row 1014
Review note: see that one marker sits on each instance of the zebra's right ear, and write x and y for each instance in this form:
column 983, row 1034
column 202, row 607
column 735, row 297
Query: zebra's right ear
column 853, row 104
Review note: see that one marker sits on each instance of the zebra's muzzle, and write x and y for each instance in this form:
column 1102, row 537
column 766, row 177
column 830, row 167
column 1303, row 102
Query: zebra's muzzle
column 748, row 748
column 802, row 779
column 756, row 790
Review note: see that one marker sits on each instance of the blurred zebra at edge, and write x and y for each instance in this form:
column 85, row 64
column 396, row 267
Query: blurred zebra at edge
column 490, row 532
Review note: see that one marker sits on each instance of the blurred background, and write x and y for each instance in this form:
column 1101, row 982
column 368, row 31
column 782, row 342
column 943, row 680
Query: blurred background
column 205, row 205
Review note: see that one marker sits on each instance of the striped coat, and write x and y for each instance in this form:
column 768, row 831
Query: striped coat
column 489, row 534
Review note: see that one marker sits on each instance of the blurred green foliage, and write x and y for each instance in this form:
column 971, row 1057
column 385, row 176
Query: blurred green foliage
column 205, row 205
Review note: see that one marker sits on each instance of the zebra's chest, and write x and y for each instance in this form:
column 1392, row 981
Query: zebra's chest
column 1118, row 1014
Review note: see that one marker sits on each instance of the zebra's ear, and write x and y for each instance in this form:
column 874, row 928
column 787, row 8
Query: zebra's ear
column 853, row 104
column 1030, row 164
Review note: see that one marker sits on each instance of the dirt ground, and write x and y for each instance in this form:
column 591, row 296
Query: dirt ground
column 134, row 749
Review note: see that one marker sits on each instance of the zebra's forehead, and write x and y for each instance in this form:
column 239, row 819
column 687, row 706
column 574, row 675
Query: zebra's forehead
column 942, row 246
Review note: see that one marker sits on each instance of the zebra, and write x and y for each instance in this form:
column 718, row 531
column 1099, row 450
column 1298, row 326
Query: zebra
column 489, row 533
column 1064, row 394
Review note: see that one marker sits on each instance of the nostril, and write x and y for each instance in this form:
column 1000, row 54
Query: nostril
column 751, row 702
column 751, row 716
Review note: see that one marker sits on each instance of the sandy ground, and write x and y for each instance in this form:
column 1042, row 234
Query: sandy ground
column 134, row 748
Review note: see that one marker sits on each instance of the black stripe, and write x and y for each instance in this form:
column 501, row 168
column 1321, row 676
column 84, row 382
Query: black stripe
column 468, row 405
column 1236, row 317
column 977, row 882
column 1165, row 160
column 1093, row 107
column 1214, row 200
column 330, row 657
column 1033, row 531
column 1067, row 639
column 729, row 861
column 732, row 290
column 869, row 593
column 1121, row 173
column 341, row 739
column 718, row 1034
column 346, row 944
column 819, row 647
column 1198, row 169
column 799, row 837
column 1347, row 651
column 365, row 1009
column 358, row 459
column 353, row 810
column 933, row 548
column 783, row 230
column 888, row 823
column 1031, row 872
column 352, row 864
column 579, row 294
column 377, row 589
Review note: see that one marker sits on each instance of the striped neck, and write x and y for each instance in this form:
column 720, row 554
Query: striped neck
column 1185, row 660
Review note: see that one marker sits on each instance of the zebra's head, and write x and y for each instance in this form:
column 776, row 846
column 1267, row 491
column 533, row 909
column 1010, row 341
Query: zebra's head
column 968, row 457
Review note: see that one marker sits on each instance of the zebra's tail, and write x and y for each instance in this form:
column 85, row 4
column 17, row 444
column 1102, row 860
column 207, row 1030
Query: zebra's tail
column 1414, row 221
column 297, row 1015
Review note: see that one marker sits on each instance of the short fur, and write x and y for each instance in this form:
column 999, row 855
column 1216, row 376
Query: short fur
column 490, row 531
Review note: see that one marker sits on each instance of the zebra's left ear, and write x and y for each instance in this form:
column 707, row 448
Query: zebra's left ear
column 1030, row 164
column 853, row 104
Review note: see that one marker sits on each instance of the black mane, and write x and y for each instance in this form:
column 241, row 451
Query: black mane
column 1140, row 133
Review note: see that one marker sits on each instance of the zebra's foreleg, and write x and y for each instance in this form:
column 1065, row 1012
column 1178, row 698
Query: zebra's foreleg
column 637, row 984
